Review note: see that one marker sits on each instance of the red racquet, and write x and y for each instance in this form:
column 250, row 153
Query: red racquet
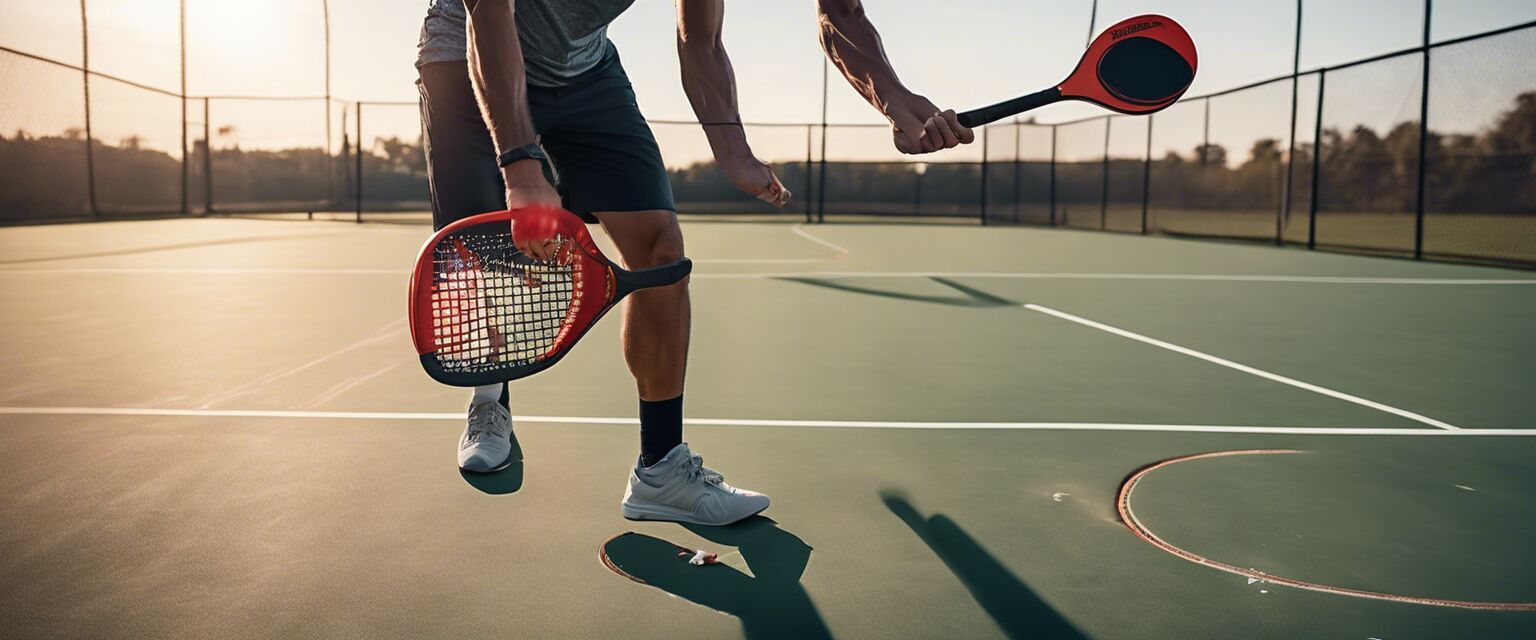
column 483, row 312
column 1138, row 65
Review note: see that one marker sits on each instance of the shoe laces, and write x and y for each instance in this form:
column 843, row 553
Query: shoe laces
column 696, row 470
column 482, row 420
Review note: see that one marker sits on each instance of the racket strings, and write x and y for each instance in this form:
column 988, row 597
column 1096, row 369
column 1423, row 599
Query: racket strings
column 495, row 308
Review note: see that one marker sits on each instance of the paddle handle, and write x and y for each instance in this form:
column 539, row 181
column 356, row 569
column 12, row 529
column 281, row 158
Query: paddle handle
column 671, row 273
column 993, row 113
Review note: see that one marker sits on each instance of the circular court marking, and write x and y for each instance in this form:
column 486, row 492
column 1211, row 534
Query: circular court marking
column 1123, row 506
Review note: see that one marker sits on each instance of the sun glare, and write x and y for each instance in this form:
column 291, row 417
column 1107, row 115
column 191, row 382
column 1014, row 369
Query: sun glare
column 241, row 29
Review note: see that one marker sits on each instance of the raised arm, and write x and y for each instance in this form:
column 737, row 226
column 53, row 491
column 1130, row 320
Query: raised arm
column 853, row 45
column 497, row 73
column 710, row 83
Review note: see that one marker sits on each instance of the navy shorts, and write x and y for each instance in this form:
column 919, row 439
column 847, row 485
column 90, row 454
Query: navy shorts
column 601, row 147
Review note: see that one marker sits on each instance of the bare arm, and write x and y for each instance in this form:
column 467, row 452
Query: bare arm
column 501, row 88
column 853, row 45
column 710, row 83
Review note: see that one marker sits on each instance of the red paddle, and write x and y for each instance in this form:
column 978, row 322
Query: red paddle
column 1138, row 65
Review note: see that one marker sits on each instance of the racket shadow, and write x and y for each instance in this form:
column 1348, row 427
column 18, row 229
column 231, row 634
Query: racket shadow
column 970, row 297
column 770, row 602
column 1018, row 611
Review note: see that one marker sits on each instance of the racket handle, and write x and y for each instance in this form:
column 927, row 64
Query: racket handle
column 993, row 113
column 630, row 281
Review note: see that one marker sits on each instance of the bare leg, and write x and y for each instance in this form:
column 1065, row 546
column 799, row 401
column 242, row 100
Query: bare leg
column 655, row 333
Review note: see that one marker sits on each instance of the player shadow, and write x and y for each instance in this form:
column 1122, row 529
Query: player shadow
column 1011, row 603
column 770, row 602
column 971, row 297
column 507, row 479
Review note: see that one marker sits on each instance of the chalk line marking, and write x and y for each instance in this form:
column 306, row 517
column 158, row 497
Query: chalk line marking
column 1275, row 377
column 1127, row 516
column 991, row 275
column 745, row 422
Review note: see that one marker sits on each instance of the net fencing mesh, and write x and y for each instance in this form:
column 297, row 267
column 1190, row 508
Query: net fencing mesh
column 1354, row 156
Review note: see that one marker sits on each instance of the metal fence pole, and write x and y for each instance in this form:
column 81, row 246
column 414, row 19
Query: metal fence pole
column 185, row 176
column 1053, row 174
column 821, row 183
column 1146, row 177
column 808, row 161
column 1290, row 154
column 207, row 161
column 1317, row 162
column 359, row 150
column 1018, row 139
column 986, row 137
column 1104, row 188
column 330, row 168
column 85, row 76
column 1418, row 222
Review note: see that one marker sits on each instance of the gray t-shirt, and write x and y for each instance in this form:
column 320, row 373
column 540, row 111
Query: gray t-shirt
column 560, row 38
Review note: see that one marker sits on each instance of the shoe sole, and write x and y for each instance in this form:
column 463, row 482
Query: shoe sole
column 634, row 516
column 496, row 469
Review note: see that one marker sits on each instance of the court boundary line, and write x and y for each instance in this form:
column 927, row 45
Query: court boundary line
column 1140, row 530
column 1238, row 366
column 420, row 416
column 986, row 275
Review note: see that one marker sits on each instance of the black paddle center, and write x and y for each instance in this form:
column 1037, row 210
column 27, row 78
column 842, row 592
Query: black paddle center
column 1144, row 71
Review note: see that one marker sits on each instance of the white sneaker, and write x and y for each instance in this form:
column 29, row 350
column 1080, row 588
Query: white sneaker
column 487, row 442
column 679, row 488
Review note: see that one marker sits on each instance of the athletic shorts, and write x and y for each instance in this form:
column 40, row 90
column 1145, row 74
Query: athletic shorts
column 601, row 147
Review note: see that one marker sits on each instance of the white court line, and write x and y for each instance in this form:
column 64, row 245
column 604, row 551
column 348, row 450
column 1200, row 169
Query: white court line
column 838, row 250
column 1002, row 275
column 737, row 422
column 1244, row 368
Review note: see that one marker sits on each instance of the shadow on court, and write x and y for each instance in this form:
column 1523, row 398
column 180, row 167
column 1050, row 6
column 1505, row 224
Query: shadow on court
column 1011, row 603
column 770, row 602
column 970, row 296
column 507, row 479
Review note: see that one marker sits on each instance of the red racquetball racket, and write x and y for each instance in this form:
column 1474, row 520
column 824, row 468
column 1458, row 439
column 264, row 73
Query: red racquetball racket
column 1138, row 65
column 482, row 312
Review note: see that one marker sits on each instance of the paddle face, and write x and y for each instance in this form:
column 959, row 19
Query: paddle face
column 482, row 312
column 1138, row 65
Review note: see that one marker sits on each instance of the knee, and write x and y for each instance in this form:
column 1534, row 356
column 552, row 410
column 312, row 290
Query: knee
column 666, row 246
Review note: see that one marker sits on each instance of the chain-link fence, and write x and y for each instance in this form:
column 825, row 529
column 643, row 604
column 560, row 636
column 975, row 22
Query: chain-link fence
column 1336, row 157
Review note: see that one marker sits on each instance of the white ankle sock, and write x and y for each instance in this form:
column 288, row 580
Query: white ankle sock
column 487, row 393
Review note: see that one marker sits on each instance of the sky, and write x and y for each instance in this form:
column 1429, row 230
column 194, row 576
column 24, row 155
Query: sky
column 959, row 53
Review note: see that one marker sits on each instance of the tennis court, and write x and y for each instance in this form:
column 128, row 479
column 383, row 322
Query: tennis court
column 218, row 428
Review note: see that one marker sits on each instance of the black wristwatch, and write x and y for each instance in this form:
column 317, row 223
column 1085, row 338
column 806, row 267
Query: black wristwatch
column 525, row 152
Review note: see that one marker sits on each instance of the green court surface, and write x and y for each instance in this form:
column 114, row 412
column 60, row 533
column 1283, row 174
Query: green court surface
column 218, row 428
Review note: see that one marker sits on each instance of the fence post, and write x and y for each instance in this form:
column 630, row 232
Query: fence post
column 1146, row 177
column 1018, row 133
column 1317, row 162
column 359, row 150
column 1104, row 188
column 207, row 161
column 85, row 78
column 821, row 182
column 1290, row 154
column 185, row 176
column 1418, row 222
column 986, row 137
column 1053, row 174
column 808, row 162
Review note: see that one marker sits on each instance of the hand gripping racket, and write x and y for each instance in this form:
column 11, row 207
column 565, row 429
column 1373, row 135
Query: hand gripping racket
column 482, row 312
column 1139, row 65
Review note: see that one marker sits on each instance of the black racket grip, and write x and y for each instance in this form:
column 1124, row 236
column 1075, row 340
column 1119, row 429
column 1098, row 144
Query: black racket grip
column 993, row 113
column 631, row 281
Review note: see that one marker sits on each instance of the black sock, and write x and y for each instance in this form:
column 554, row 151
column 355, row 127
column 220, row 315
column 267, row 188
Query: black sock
column 661, row 429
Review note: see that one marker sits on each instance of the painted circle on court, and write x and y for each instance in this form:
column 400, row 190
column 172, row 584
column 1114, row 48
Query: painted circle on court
column 1337, row 525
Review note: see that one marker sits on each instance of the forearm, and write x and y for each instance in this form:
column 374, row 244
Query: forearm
column 708, row 78
column 497, row 73
column 853, row 45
